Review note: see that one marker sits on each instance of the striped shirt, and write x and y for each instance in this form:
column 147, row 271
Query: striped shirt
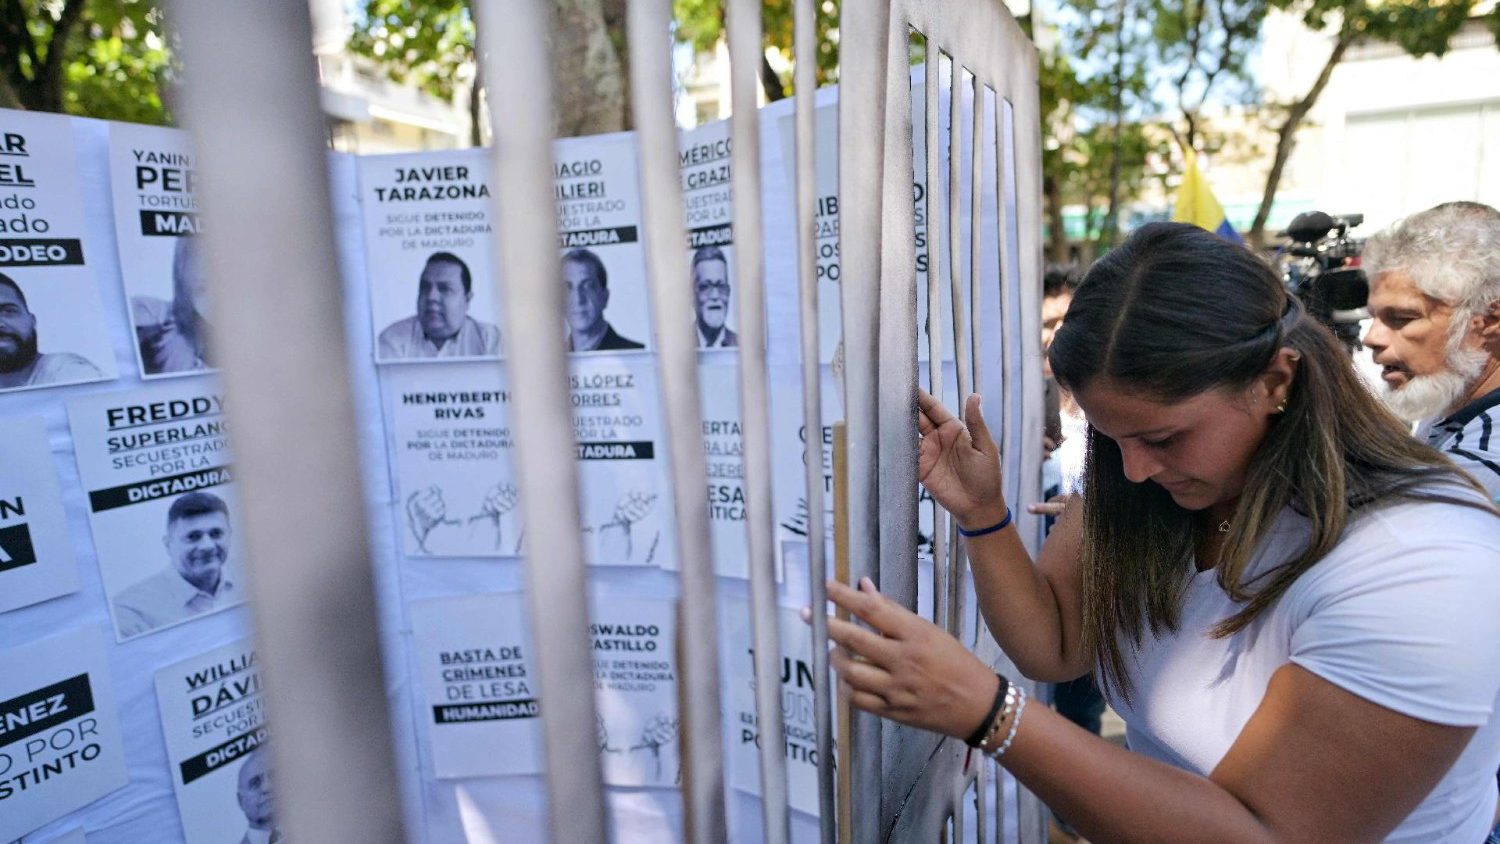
column 1471, row 438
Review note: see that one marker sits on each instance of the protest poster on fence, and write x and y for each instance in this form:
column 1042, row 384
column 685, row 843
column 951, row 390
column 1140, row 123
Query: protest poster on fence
column 707, row 193
column 598, row 203
column 153, row 177
column 797, row 686
column 214, row 720
column 634, row 643
column 60, row 748
column 155, row 465
column 429, row 250
column 451, row 450
column 626, row 502
column 478, row 701
column 52, row 326
column 36, row 553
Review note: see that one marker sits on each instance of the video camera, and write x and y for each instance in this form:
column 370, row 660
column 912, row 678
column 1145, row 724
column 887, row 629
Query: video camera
column 1321, row 267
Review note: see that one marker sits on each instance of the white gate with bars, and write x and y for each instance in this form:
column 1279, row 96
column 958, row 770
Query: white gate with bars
column 272, row 257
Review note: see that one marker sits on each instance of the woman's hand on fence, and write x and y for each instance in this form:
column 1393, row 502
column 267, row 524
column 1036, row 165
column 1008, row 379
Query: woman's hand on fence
column 906, row 668
column 958, row 462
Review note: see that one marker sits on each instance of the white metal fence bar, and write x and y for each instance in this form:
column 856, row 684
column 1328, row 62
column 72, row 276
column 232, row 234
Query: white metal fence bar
column 272, row 264
column 743, row 29
column 677, row 361
column 932, row 67
column 863, row 29
column 514, row 35
column 805, row 41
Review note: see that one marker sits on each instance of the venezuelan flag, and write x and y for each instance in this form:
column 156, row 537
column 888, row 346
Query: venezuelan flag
column 1196, row 203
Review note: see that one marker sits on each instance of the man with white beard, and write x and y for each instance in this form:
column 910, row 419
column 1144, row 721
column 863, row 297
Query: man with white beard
column 1435, row 300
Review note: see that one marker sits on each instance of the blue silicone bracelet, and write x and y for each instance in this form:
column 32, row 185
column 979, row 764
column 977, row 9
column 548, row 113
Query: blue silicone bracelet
column 1004, row 523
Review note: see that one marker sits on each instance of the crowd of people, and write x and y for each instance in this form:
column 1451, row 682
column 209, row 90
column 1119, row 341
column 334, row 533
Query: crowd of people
column 1284, row 578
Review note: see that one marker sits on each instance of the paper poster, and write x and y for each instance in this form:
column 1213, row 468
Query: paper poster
column 791, row 448
column 429, row 247
column 451, row 448
column 214, row 720
column 479, row 703
column 153, row 178
column 36, row 554
column 52, row 326
column 627, row 506
column 781, row 267
column 719, row 392
column 706, row 191
column 60, row 743
column 635, row 684
column 155, row 463
column 455, row 473
column 797, row 685
column 597, row 187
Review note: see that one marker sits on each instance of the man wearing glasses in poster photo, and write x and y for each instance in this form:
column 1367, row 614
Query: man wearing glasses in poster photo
column 711, row 298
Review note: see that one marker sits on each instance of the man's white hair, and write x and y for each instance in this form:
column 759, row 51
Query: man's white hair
column 1451, row 252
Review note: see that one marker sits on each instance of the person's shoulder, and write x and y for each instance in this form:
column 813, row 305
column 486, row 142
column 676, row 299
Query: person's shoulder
column 1475, row 447
column 398, row 328
column 55, row 367
column 396, row 339
column 149, row 310
column 145, row 591
column 614, row 340
column 489, row 335
column 1458, row 536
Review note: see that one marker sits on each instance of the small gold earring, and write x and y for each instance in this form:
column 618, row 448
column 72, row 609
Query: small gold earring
column 1281, row 408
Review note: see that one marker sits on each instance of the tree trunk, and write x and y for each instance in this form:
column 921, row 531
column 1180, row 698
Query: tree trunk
column 49, row 77
column 1286, row 137
column 1057, row 235
column 590, row 83
column 770, row 82
column 476, row 108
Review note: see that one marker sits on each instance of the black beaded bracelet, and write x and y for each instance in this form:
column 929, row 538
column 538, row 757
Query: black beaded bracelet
column 984, row 726
column 1004, row 523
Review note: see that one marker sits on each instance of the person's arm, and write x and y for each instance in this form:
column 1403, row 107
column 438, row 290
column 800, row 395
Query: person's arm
column 1034, row 611
column 1314, row 763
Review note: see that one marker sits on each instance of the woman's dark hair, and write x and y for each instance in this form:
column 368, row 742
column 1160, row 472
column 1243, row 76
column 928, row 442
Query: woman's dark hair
column 1175, row 312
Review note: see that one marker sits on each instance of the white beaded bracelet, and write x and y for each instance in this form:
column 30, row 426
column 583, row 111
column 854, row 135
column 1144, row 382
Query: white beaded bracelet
column 1014, row 723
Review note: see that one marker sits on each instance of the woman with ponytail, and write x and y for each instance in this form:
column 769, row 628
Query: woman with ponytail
column 1293, row 604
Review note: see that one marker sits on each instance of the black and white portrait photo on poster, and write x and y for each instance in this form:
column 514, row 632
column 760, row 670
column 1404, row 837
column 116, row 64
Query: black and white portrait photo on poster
column 214, row 721
column 61, row 747
column 597, row 187
column 155, row 464
column 634, row 643
column 707, row 193
column 428, row 247
column 152, row 174
column 36, row 553
column 626, row 506
column 450, row 445
column 52, row 326
column 798, row 685
column 478, row 690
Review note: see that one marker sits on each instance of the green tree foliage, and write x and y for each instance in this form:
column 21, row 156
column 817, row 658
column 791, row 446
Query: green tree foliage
column 1420, row 27
column 1098, row 135
column 97, row 58
column 429, row 45
column 700, row 23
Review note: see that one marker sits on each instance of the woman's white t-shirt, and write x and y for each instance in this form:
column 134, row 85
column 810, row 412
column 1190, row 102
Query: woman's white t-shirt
column 1404, row 612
